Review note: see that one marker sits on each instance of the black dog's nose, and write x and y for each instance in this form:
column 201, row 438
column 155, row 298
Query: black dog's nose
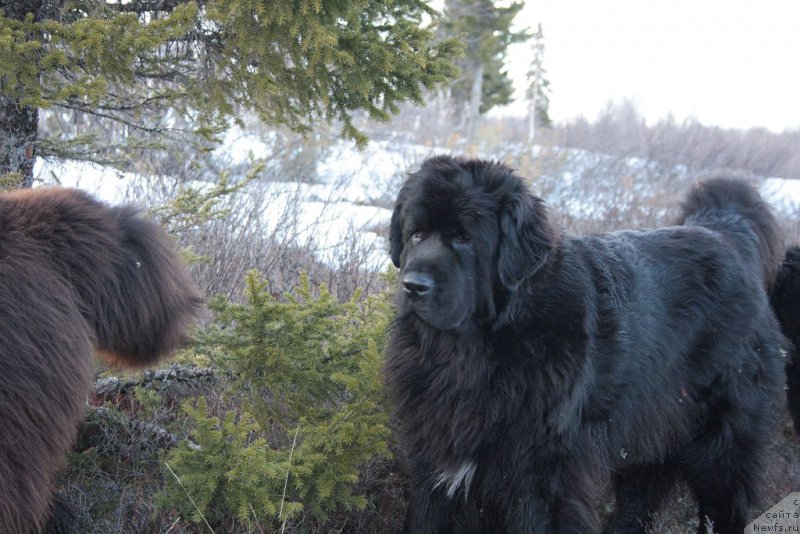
column 417, row 284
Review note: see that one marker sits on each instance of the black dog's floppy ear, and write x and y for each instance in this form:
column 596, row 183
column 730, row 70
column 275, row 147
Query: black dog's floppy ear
column 396, row 233
column 526, row 239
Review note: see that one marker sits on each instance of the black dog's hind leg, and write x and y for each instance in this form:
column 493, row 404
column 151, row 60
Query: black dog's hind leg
column 725, row 498
column 724, row 471
column 639, row 492
column 793, row 384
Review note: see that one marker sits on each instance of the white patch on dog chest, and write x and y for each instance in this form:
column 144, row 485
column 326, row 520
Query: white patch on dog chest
column 453, row 479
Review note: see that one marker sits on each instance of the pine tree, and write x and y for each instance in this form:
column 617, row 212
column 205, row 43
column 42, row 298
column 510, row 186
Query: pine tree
column 313, row 411
column 538, row 87
column 485, row 30
column 180, row 67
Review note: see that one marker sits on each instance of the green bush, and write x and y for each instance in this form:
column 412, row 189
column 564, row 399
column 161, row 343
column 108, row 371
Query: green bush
column 313, row 411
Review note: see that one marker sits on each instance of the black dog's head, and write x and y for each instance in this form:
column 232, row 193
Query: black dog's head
column 463, row 232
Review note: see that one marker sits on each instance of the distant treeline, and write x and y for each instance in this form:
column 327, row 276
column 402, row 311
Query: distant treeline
column 621, row 130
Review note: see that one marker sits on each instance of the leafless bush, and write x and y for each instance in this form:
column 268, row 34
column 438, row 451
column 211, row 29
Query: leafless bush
column 283, row 223
column 590, row 192
column 621, row 130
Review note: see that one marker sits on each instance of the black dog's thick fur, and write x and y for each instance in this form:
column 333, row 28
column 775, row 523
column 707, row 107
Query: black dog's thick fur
column 76, row 278
column 785, row 298
column 528, row 368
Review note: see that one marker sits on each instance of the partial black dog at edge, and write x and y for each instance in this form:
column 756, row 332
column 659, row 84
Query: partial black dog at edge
column 527, row 368
column 785, row 297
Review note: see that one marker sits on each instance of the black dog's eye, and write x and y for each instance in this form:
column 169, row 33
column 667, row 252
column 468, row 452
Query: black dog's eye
column 461, row 239
column 417, row 236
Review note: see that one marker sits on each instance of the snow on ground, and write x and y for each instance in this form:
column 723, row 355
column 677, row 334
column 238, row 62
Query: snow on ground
column 783, row 194
column 340, row 205
column 373, row 172
column 104, row 183
column 353, row 190
column 326, row 214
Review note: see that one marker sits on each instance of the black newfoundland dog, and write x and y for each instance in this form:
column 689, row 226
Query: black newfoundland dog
column 528, row 368
column 77, row 278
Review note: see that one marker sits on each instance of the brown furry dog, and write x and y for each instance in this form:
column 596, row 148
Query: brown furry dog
column 76, row 277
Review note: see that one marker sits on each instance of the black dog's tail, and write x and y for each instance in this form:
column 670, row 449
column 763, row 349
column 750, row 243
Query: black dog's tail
column 785, row 298
column 722, row 204
column 734, row 208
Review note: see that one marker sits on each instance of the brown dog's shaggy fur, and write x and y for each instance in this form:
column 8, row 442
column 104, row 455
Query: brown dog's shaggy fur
column 76, row 277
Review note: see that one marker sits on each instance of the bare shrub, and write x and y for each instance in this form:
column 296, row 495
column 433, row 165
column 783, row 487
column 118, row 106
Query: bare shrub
column 621, row 130
column 283, row 222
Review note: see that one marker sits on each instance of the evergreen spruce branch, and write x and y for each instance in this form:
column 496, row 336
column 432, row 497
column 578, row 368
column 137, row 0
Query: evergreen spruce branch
column 180, row 483
column 141, row 7
column 226, row 60
column 84, row 148
column 119, row 119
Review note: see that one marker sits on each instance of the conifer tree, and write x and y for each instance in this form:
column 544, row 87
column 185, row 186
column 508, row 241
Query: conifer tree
column 313, row 411
column 180, row 67
column 538, row 86
column 485, row 30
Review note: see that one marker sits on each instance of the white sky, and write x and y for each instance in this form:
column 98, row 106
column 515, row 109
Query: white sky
column 732, row 63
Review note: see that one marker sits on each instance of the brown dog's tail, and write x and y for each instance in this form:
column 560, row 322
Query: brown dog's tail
column 734, row 208
column 785, row 298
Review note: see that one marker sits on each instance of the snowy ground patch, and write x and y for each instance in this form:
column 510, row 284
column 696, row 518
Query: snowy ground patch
column 783, row 194
column 348, row 201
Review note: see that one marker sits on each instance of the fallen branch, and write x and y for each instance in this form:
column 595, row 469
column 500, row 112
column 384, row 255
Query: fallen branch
column 110, row 386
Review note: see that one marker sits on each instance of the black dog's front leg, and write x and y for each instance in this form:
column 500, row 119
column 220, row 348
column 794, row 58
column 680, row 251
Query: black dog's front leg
column 429, row 512
column 529, row 515
column 564, row 508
